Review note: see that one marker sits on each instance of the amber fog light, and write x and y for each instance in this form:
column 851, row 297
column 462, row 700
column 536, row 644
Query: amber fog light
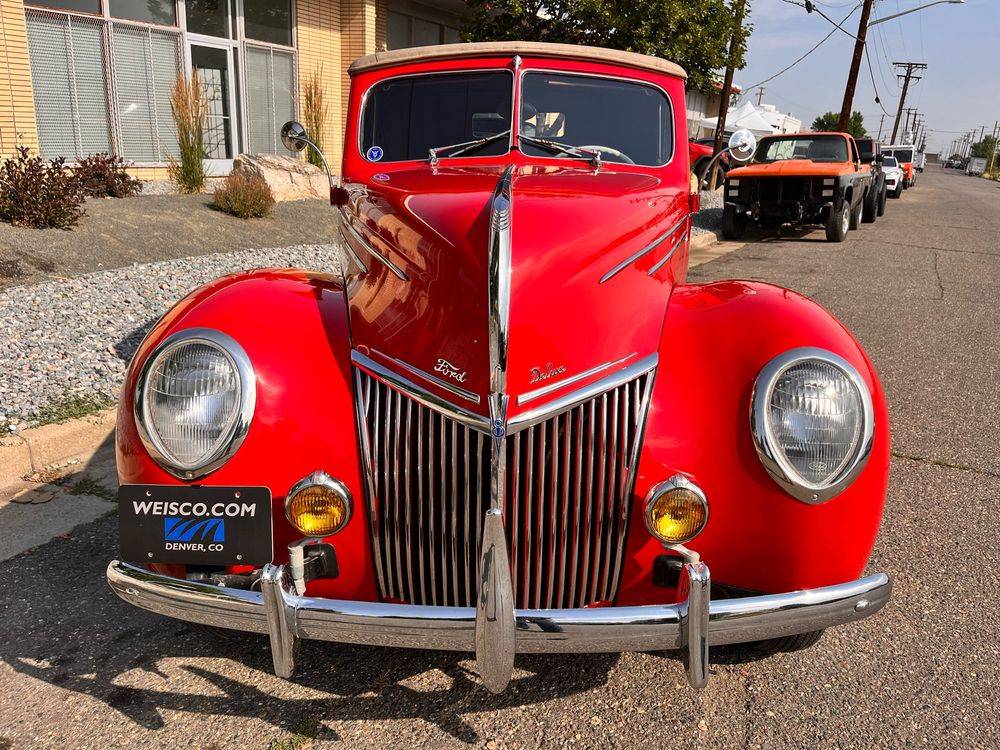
column 676, row 510
column 318, row 505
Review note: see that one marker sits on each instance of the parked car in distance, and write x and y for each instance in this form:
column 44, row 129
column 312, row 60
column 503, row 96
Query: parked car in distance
column 906, row 156
column 893, row 176
column 976, row 166
column 871, row 154
column 796, row 180
column 474, row 434
column 700, row 154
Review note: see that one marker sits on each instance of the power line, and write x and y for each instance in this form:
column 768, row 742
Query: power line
column 803, row 57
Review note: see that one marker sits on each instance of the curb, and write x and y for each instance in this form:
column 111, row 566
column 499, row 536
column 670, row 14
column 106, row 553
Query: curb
column 35, row 449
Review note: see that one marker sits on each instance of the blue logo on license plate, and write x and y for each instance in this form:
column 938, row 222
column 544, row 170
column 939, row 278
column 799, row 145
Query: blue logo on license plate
column 177, row 529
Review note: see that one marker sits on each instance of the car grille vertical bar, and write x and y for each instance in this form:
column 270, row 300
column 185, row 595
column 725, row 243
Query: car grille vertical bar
column 568, row 496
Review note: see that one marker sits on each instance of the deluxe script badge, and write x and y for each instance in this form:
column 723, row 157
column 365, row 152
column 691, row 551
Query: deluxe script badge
column 538, row 374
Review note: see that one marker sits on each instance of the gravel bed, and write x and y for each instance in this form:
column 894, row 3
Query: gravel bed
column 709, row 219
column 61, row 340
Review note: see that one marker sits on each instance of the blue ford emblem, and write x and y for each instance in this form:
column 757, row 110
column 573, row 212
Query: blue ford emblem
column 374, row 153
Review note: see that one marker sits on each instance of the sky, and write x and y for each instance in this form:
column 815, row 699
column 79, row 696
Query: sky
column 960, row 89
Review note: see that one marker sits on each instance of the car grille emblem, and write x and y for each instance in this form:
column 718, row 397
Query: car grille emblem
column 538, row 374
column 449, row 370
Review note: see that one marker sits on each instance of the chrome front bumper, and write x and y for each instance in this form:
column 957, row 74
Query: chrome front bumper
column 494, row 630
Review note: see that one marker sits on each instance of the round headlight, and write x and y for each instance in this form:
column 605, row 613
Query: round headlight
column 812, row 423
column 194, row 401
column 676, row 510
column 318, row 505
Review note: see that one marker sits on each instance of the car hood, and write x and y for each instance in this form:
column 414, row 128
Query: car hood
column 792, row 168
column 569, row 227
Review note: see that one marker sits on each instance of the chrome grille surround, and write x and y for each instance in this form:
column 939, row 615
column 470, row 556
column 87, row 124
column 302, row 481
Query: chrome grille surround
column 567, row 489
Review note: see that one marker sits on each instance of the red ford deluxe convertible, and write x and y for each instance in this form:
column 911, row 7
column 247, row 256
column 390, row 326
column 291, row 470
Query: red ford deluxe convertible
column 505, row 424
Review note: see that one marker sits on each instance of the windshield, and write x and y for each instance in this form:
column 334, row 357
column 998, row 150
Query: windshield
column 623, row 121
column 404, row 118
column 902, row 154
column 819, row 148
column 890, row 161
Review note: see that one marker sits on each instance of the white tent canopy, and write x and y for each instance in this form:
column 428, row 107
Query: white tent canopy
column 745, row 116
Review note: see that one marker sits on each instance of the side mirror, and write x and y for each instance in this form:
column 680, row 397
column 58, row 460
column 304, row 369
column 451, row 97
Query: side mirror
column 293, row 136
column 742, row 145
column 880, row 158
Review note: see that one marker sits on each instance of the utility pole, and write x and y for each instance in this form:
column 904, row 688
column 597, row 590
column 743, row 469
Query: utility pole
column 881, row 120
column 906, row 127
column 760, row 95
column 907, row 77
column 993, row 151
column 852, row 77
column 739, row 10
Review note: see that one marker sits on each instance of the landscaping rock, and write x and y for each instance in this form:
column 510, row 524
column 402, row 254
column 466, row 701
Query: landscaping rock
column 289, row 179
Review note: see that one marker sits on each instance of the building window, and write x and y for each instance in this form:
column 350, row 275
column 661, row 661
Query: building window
column 404, row 30
column 83, row 6
column 208, row 17
column 161, row 12
column 268, row 21
column 270, row 97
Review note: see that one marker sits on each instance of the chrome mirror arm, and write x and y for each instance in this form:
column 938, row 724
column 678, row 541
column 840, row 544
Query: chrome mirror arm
column 322, row 158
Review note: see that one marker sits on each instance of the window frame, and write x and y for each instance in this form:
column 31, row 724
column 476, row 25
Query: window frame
column 364, row 104
column 607, row 76
column 237, row 38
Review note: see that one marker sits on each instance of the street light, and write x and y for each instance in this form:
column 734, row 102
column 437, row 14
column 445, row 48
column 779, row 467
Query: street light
column 914, row 10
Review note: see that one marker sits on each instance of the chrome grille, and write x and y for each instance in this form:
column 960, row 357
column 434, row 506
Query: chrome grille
column 569, row 481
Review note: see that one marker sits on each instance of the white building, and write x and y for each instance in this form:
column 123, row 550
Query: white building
column 780, row 121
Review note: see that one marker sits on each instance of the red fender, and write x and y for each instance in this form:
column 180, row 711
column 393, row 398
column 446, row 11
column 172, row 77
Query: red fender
column 293, row 326
column 716, row 339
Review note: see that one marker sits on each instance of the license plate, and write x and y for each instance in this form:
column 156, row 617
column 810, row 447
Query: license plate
column 195, row 525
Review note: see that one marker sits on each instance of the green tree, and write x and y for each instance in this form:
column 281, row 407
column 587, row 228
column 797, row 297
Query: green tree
column 828, row 121
column 692, row 33
column 985, row 147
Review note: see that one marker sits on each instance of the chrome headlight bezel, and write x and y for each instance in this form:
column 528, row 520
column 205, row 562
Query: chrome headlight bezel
column 771, row 455
column 237, row 431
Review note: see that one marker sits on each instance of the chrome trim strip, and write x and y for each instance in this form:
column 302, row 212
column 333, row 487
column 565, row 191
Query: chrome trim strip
column 569, row 400
column 666, row 258
column 695, row 615
column 443, row 384
column 771, row 456
column 524, row 398
column 347, row 245
column 638, row 254
column 361, row 401
column 587, row 630
column 495, row 624
column 499, row 279
column 418, row 393
column 346, row 224
column 240, row 426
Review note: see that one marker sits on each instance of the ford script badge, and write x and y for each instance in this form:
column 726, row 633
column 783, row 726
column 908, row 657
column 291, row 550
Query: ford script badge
column 449, row 370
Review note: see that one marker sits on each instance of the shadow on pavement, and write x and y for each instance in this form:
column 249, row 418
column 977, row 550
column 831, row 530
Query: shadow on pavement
column 65, row 627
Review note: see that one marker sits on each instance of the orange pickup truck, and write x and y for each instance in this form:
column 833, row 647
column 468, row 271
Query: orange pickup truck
column 796, row 180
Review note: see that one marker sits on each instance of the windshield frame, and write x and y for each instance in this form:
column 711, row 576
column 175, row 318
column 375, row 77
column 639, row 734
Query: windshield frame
column 609, row 77
column 423, row 74
column 517, row 77
column 798, row 137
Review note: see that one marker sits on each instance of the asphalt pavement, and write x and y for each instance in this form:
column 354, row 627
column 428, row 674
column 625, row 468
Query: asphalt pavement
column 919, row 288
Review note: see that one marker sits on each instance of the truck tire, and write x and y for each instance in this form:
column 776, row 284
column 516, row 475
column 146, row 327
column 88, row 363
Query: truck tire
column 856, row 214
column 838, row 223
column 898, row 191
column 870, row 210
column 733, row 225
column 883, row 196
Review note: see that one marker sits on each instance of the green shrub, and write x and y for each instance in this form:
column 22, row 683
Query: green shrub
column 39, row 193
column 189, row 108
column 244, row 195
column 104, row 176
column 315, row 113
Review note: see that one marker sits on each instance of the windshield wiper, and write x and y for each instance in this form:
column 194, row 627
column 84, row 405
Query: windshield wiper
column 593, row 157
column 462, row 148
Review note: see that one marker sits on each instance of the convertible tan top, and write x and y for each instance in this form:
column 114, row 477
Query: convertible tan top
column 509, row 49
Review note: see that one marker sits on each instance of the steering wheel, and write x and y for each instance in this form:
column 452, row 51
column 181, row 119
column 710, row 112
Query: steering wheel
column 608, row 150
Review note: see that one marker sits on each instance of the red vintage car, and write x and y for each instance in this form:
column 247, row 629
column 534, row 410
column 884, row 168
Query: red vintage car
column 505, row 424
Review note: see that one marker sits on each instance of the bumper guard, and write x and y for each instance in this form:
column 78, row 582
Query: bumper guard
column 494, row 630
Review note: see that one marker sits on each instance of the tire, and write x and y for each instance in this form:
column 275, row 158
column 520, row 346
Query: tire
column 883, row 196
column 899, row 191
column 733, row 226
column 856, row 214
column 870, row 210
column 786, row 644
column 838, row 223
